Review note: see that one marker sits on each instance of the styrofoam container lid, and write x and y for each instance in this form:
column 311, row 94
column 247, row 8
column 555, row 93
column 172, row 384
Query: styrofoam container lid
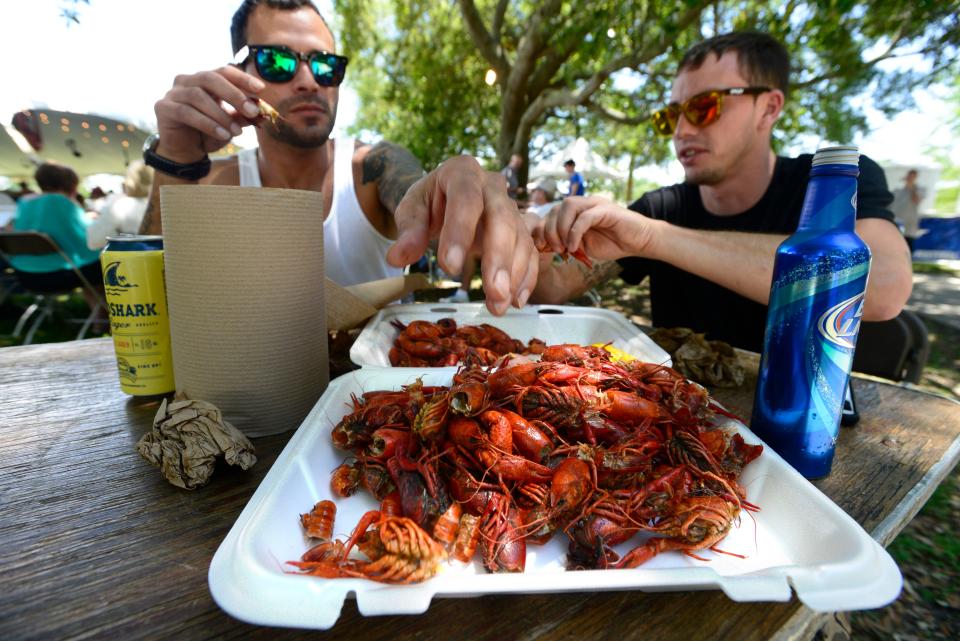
column 799, row 539
column 553, row 324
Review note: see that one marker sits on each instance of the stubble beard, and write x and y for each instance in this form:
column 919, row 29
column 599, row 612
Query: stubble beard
column 705, row 176
column 310, row 136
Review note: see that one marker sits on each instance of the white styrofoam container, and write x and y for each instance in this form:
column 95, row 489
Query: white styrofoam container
column 798, row 539
column 553, row 324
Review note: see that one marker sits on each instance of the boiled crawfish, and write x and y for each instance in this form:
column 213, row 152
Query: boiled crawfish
column 399, row 550
column 510, row 455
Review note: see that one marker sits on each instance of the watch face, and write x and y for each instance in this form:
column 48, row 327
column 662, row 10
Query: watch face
column 151, row 142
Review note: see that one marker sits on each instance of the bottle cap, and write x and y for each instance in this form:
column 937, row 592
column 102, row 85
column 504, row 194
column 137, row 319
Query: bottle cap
column 843, row 155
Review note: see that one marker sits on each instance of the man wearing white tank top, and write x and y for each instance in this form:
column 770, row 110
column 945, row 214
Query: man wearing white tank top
column 379, row 210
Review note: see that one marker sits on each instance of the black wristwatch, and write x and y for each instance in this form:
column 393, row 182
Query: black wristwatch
column 187, row 171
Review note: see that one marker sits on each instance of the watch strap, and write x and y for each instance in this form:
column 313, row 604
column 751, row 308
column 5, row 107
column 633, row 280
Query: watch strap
column 186, row 171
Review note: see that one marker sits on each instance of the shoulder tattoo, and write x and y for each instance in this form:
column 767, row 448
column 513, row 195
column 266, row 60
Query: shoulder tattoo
column 393, row 169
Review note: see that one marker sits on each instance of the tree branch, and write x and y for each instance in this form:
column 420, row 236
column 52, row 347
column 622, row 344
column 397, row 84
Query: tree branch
column 615, row 115
column 489, row 48
column 542, row 76
column 498, row 14
column 531, row 44
column 648, row 53
column 580, row 96
column 888, row 54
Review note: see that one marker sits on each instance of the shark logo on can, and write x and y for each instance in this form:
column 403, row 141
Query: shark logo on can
column 113, row 278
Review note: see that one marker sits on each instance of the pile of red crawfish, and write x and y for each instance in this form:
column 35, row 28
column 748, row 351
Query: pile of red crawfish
column 442, row 344
column 508, row 456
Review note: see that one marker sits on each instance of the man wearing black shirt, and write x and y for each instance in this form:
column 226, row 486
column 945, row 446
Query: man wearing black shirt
column 708, row 243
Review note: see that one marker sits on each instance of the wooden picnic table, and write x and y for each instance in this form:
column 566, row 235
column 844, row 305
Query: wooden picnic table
column 96, row 544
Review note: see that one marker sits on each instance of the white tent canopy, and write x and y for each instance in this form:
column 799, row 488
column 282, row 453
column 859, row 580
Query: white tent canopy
column 13, row 161
column 589, row 164
column 87, row 143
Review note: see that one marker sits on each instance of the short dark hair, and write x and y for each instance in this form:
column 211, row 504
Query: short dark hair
column 56, row 178
column 763, row 60
column 570, row 163
column 238, row 26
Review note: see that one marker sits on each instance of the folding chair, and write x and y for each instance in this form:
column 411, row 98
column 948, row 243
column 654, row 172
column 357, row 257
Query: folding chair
column 896, row 349
column 32, row 243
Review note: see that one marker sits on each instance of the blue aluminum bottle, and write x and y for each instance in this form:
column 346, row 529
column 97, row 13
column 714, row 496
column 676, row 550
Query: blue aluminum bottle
column 816, row 299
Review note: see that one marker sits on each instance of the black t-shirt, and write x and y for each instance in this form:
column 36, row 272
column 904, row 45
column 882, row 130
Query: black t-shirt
column 680, row 299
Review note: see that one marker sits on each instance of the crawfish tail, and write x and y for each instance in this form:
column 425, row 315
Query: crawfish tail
column 685, row 447
column 430, row 423
column 551, row 405
column 318, row 523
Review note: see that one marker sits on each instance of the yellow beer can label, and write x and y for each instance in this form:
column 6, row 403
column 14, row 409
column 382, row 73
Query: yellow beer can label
column 137, row 302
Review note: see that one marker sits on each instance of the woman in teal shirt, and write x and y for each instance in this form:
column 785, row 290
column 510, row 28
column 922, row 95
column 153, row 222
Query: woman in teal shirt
column 57, row 214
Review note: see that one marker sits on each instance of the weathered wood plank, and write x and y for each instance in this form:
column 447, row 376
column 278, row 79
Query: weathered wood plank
column 97, row 544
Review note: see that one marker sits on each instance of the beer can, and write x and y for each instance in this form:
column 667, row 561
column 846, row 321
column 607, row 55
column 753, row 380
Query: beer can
column 133, row 280
column 813, row 318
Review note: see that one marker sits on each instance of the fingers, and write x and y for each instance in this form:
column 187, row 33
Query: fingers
column 535, row 227
column 509, row 256
column 461, row 199
column 413, row 225
column 194, row 107
column 559, row 227
column 581, row 225
column 527, row 265
column 227, row 84
column 469, row 210
column 196, row 102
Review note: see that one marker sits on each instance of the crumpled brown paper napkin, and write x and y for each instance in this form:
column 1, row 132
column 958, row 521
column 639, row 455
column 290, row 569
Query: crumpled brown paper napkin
column 707, row 362
column 187, row 438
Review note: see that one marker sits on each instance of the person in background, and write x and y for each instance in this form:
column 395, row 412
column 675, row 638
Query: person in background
column 380, row 211
column 906, row 207
column 23, row 191
column 56, row 213
column 708, row 244
column 577, row 186
column 95, row 200
column 543, row 198
column 512, row 174
column 98, row 192
column 122, row 213
column 8, row 207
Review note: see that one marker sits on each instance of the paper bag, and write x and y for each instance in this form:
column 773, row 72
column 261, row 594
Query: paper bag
column 245, row 289
column 379, row 293
column 344, row 309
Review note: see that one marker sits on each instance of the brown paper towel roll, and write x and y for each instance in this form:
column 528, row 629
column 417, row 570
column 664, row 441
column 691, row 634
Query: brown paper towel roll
column 245, row 289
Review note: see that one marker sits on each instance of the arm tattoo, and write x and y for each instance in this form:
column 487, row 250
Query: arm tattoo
column 393, row 169
column 600, row 272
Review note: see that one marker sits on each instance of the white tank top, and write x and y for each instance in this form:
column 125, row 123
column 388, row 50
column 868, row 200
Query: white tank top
column 353, row 251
